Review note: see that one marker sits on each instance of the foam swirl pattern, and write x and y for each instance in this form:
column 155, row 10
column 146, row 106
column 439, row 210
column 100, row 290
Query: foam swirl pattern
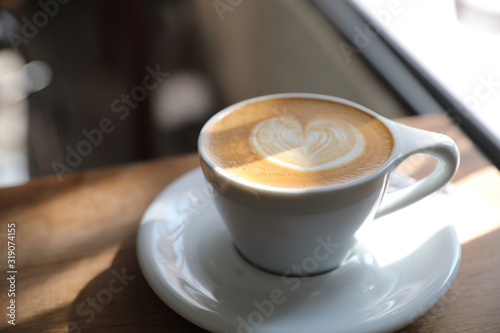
column 322, row 144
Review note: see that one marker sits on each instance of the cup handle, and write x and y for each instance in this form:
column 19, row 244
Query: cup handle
column 418, row 141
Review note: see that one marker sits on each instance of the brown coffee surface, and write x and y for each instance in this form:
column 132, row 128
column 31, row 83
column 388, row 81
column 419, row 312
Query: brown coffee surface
column 298, row 143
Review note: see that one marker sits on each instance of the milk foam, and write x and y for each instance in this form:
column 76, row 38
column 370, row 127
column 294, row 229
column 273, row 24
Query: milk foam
column 320, row 145
column 298, row 143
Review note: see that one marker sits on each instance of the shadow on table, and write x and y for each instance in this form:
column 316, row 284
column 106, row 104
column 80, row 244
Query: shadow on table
column 120, row 300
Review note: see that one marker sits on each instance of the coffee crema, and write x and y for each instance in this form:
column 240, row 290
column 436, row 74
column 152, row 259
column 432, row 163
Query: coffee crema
column 297, row 142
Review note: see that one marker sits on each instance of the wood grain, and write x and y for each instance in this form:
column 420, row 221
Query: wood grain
column 75, row 248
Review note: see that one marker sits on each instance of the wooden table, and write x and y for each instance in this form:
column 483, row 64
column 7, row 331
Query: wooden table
column 76, row 262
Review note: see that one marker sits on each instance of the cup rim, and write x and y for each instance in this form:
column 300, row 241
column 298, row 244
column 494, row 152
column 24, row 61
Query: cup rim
column 251, row 186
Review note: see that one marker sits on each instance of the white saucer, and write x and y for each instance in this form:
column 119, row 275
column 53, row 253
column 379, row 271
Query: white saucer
column 188, row 258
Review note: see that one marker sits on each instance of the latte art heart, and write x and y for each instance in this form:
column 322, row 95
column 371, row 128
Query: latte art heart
column 322, row 144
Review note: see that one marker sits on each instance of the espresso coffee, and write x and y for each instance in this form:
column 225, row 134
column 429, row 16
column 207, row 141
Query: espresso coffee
column 298, row 143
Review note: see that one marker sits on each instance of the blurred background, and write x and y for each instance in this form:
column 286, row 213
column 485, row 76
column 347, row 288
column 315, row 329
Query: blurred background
column 86, row 84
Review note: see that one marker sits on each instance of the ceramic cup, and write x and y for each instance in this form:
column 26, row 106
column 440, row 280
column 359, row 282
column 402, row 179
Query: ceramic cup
column 311, row 231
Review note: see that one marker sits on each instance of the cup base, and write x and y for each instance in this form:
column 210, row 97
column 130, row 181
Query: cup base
column 290, row 272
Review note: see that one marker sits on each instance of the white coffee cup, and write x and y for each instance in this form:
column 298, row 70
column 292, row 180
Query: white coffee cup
column 311, row 231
